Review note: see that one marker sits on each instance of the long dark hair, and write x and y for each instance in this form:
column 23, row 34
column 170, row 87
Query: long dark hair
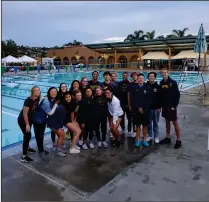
column 71, row 88
column 48, row 92
column 60, row 90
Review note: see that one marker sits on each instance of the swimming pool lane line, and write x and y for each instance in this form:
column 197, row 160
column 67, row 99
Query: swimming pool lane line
column 10, row 114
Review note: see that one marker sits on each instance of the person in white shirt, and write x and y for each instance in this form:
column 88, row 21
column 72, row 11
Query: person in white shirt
column 115, row 115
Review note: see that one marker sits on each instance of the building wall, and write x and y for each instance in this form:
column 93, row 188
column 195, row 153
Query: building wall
column 86, row 55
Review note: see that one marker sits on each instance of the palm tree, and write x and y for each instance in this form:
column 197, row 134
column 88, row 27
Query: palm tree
column 150, row 35
column 138, row 35
column 76, row 43
column 178, row 33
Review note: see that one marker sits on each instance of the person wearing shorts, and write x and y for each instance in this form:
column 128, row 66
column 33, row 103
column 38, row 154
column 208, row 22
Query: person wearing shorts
column 115, row 115
column 170, row 97
column 140, row 106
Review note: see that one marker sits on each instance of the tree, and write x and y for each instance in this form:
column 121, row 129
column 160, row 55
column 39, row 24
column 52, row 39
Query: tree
column 138, row 35
column 9, row 47
column 178, row 33
column 160, row 37
column 150, row 35
column 74, row 43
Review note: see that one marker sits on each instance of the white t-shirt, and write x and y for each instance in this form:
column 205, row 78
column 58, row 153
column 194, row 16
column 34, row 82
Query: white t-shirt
column 114, row 108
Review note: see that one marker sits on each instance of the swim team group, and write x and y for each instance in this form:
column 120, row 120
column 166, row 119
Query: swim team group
column 87, row 106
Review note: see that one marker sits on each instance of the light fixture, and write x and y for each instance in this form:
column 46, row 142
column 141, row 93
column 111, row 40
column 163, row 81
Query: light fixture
column 77, row 57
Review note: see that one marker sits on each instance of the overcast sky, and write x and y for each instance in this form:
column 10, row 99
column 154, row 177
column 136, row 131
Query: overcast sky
column 55, row 23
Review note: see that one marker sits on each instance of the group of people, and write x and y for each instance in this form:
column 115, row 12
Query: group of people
column 87, row 107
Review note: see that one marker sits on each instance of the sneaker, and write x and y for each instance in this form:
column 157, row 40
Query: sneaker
column 91, row 145
column 80, row 142
column 145, row 144
column 77, row 147
column 74, row 151
column 134, row 134
column 44, row 152
column 104, row 144
column 129, row 134
column 54, row 147
column 63, row 146
column 178, row 144
column 99, row 144
column 157, row 140
column 148, row 138
column 26, row 159
column 31, row 151
column 84, row 146
column 61, row 152
column 165, row 141
column 138, row 144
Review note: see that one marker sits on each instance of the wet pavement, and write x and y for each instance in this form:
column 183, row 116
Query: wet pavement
column 126, row 173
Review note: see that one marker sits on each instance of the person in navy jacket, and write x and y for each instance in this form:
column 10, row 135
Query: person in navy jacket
column 140, row 101
column 170, row 97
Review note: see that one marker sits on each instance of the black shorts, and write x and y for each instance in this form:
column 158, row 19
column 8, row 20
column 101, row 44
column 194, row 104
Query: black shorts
column 140, row 119
column 170, row 115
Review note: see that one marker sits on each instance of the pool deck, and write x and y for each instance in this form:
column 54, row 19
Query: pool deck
column 126, row 173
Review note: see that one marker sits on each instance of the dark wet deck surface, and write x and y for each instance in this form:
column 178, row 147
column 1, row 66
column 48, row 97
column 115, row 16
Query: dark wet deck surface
column 122, row 173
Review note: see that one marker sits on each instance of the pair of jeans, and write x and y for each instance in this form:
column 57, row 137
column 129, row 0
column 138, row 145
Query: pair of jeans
column 153, row 128
column 129, row 117
column 101, row 121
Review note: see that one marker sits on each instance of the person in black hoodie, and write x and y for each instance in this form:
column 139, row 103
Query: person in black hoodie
column 140, row 101
column 170, row 97
column 87, row 108
column 100, row 117
column 155, row 108
column 123, row 97
column 94, row 83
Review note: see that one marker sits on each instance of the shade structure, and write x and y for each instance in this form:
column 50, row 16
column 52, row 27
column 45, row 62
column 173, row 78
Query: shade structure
column 155, row 56
column 10, row 59
column 25, row 58
column 187, row 54
column 201, row 43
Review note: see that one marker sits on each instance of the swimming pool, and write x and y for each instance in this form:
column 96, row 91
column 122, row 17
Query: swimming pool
column 16, row 88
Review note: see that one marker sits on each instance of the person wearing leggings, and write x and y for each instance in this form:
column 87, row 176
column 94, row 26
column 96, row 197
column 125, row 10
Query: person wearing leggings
column 87, row 114
column 100, row 117
column 25, row 121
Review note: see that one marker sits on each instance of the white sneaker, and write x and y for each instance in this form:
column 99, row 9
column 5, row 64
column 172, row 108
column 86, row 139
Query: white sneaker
column 157, row 140
column 77, row 147
column 80, row 142
column 84, row 146
column 54, row 147
column 74, row 151
column 148, row 138
column 91, row 145
column 61, row 153
column 122, row 132
column 134, row 134
column 129, row 134
column 99, row 144
column 104, row 144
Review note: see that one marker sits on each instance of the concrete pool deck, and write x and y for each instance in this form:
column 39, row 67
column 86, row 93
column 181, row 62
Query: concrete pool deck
column 127, row 174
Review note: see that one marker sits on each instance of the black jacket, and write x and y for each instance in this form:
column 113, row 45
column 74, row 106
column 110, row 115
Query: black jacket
column 123, row 92
column 113, row 86
column 169, row 93
column 100, row 107
column 93, row 85
column 155, row 100
column 140, row 97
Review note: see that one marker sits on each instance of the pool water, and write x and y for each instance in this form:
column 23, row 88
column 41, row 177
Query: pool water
column 15, row 89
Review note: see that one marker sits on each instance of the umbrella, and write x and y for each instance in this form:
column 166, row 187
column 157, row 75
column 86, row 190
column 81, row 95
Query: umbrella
column 200, row 44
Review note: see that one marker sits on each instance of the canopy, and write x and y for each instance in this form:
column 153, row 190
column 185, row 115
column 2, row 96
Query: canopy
column 187, row 54
column 10, row 59
column 155, row 56
column 25, row 58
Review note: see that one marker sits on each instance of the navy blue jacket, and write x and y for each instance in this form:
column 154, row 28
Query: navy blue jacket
column 169, row 93
column 155, row 100
column 140, row 97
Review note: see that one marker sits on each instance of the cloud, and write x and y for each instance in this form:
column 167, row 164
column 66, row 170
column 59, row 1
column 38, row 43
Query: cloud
column 55, row 23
